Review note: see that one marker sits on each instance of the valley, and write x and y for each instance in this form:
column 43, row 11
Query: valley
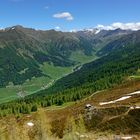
column 37, row 84
column 50, row 72
column 69, row 70
column 69, row 85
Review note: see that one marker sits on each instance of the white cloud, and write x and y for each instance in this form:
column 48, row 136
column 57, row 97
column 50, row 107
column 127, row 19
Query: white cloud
column 124, row 26
column 57, row 28
column 65, row 15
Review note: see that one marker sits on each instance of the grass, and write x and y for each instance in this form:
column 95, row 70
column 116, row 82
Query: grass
column 80, row 57
column 36, row 84
column 136, row 76
column 55, row 107
column 65, row 121
column 55, row 72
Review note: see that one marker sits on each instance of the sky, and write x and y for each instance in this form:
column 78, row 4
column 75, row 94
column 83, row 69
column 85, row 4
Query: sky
column 67, row 14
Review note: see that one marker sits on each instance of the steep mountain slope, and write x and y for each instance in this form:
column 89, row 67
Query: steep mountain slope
column 23, row 50
column 15, row 58
column 119, row 66
column 121, row 61
column 132, row 38
column 95, row 83
column 100, row 38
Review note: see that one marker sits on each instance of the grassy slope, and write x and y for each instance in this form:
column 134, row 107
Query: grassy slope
column 9, row 93
column 104, row 72
column 113, row 110
column 136, row 76
column 80, row 57
column 36, row 84
column 115, row 119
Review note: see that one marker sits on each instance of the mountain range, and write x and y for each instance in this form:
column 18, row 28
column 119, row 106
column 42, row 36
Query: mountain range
column 24, row 50
column 78, row 84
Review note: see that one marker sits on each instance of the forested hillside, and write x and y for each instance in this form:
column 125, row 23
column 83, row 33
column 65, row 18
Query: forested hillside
column 23, row 50
column 104, row 73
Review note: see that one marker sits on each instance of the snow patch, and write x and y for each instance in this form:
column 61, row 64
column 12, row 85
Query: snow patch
column 121, row 99
column 105, row 103
column 126, row 137
column 92, row 30
column 134, row 93
column 137, row 107
column 30, row 124
column 114, row 101
column 13, row 28
column 98, row 31
column 132, row 107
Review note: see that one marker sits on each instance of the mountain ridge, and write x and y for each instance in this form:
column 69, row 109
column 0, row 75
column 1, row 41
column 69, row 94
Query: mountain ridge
column 35, row 60
column 35, row 47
